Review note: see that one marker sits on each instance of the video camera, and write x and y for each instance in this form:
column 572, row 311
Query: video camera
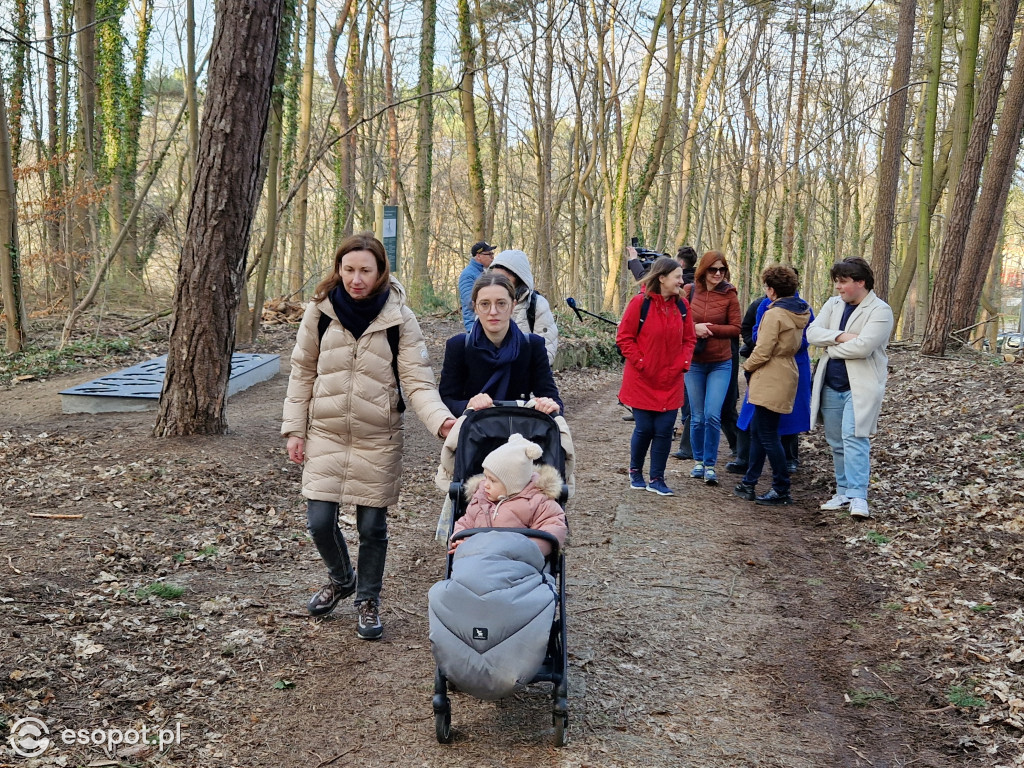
column 646, row 256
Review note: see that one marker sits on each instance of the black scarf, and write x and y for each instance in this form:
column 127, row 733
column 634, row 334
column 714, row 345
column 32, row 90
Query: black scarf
column 357, row 314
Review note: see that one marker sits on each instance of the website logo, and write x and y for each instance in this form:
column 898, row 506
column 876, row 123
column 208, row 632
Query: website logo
column 29, row 737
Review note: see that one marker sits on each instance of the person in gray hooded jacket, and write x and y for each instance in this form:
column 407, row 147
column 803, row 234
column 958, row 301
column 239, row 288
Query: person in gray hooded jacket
column 532, row 312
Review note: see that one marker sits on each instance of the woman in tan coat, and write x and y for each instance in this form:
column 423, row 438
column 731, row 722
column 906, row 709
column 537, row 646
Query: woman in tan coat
column 772, row 379
column 357, row 343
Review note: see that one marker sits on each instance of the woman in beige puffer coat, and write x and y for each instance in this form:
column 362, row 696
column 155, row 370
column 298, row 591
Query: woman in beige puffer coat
column 343, row 421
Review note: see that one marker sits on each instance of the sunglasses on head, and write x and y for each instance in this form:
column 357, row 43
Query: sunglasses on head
column 718, row 270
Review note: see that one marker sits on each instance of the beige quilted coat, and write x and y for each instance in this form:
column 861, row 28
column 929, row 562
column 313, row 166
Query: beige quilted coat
column 343, row 400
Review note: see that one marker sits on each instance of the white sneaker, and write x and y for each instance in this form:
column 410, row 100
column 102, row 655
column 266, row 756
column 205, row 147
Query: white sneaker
column 839, row 501
column 859, row 509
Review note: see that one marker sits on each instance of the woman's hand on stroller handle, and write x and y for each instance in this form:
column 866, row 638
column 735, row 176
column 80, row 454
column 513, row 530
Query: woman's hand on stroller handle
column 543, row 404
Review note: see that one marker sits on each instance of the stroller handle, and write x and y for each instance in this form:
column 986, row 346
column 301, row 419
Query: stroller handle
column 528, row 532
column 507, row 404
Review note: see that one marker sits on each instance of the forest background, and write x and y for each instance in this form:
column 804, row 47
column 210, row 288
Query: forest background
column 796, row 132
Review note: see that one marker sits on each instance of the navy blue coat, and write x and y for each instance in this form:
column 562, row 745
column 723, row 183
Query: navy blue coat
column 463, row 374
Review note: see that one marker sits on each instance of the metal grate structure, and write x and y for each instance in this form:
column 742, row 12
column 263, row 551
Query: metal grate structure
column 138, row 388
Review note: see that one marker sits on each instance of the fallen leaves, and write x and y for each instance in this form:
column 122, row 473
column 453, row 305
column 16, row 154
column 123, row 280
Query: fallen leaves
column 948, row 534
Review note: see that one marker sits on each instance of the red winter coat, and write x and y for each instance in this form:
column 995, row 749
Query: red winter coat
column 657, row 358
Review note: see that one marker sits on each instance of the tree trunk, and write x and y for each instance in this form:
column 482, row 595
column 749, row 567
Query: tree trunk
column 84, row 213
column 10, row 274
column 389, row 99
column 987, row 219
column 948, row 288
column 652, row 165
column 421, row 289
column 494, row 124
column 190, row 87
column 541, row 140
column 963, row 107
column 699, row 103
column 19, row 77
column 620, row 198
column 297, row 266
column 347, row 202
column 892, row 150
column 273, row 179
column 925, row 209
column 53, row 183
column 793, row 172
column 210, row 274
column 467, row 105
column 748, row 216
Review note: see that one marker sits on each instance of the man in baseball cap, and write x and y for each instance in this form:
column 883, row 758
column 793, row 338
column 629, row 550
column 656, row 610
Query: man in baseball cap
column 481, row 256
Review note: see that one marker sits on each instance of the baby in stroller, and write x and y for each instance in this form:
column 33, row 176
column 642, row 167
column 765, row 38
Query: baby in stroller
column 497, row 621
column 513, row 492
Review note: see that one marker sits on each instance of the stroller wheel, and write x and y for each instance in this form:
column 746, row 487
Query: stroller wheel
column 443, row 726
column 561, row 722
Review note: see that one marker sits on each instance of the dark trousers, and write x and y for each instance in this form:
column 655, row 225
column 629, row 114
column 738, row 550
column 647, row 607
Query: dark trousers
column 729, row 413
column 372, row 525
column 653, row 430
column 765, row 442
column 791, row 445
column 743, row 446
column 684, row 439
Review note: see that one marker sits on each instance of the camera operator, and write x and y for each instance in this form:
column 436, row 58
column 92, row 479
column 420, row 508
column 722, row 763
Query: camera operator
column 639, row 260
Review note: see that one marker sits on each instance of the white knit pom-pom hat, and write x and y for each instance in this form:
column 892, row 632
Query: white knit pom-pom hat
column 512, row 463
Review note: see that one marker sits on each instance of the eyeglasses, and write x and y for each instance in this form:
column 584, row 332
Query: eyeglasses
column 501, row 305
column 718, row 270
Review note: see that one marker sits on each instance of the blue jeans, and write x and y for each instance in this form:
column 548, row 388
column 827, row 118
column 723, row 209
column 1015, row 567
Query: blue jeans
column 706, row 387
column 765, row 442
column 851, row 455
column 372, row 525
column 652, row 429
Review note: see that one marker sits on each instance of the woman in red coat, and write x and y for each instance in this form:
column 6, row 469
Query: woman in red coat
column 657, row 352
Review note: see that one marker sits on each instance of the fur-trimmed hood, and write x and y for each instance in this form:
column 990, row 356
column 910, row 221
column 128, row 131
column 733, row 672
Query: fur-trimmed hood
column 546, row 480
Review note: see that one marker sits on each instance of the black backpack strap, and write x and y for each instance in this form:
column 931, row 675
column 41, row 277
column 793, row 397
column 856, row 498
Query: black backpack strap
column 645, row 307
column 393, row 337
column 531, row 311
column 321, row 326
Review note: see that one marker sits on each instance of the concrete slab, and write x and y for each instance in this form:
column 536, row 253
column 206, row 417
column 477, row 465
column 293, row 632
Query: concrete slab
column 138, row 388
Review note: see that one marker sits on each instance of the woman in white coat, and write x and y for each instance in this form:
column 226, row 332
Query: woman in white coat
column 358, row 351
column 853, row 329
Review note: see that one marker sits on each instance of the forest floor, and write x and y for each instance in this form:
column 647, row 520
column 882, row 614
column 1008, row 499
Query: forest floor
column 703, row 630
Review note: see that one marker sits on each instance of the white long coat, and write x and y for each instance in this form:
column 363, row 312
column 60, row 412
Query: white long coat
column 866, row 361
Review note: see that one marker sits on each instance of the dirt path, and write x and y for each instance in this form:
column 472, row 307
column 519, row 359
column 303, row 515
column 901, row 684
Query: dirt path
column 702, row 630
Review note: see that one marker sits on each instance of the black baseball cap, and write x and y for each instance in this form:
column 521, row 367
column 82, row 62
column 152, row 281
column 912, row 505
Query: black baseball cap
column 482, row 247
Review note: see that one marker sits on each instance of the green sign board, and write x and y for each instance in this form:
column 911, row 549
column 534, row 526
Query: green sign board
column 389, row 235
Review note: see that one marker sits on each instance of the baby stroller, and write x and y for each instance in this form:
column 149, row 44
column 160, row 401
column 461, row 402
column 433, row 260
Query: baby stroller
column 468, row 647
